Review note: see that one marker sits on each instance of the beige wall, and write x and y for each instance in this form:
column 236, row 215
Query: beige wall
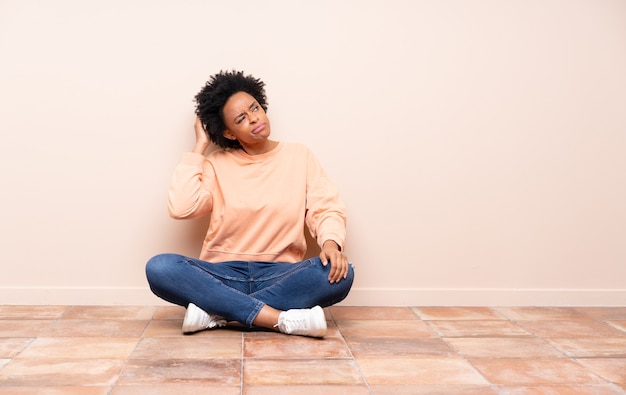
column 480, row 145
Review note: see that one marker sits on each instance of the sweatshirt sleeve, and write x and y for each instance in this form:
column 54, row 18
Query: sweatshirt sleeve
column 189, row 194
column 325, row 210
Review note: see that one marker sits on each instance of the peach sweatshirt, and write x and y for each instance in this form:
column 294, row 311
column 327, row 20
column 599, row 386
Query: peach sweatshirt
column 258, row 204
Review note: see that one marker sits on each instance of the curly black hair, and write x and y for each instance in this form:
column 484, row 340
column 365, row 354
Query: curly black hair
column 212, row 97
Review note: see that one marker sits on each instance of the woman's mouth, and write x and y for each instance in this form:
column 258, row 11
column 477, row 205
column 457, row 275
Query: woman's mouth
column 258, row 129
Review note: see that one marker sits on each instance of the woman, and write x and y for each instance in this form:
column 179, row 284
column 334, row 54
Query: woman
column 259, row 194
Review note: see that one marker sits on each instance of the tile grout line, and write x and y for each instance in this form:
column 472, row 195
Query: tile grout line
column 352, row 358
column 533, row 334
column 241, row 371
column 456, row 352
column 567, row 355
column 34, row 338
column 127, row 360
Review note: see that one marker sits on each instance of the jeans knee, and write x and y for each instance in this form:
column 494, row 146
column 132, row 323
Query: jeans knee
column 158, row 265
column 323, row 271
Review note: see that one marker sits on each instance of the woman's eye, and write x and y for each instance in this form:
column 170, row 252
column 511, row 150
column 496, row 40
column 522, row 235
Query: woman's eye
column 255, row 108
column 239, row 120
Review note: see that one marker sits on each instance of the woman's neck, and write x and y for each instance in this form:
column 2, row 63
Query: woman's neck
column 259, row 149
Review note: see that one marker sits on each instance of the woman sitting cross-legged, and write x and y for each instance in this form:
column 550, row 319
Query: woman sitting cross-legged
column 259, row 194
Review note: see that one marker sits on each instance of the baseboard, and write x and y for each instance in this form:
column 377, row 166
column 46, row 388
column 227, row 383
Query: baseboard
column 85, row 296
column 358, row 296
column 485, row 297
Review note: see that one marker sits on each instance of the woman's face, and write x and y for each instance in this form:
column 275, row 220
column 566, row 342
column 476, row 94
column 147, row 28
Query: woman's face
column 245, row 120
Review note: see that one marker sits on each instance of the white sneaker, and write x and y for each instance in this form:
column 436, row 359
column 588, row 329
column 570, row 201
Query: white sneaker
column 197, row 319
column 304, row 322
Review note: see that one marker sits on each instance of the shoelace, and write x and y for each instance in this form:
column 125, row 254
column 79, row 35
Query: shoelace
column 294, row 324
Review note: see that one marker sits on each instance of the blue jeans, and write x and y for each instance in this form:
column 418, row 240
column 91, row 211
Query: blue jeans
column 238, row 290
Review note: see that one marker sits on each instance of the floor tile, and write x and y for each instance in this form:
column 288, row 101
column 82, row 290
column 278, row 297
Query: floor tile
column 170, row 313
column 604, row 313
column 617, row 324
column 301, row 372
column 50, row 372
column 11, row 346
column 611, row 369
column 62, row 390
column 477, row 329
column 591, row 347
column 173, row 328
column 188, row 347
column 163, row 328
column 32, row 312
column 383, row 371
column 529, row 313
column 504, row 347
column 340, row 313
column 130, row 350
column 175, row 389
column 295, row 347
column 457, row 313
column 331, row 331
column 421, row 389
column 110, row 313
column 95, row 328
column 4, row 362
column 363, row 347
column 534, row 371
column 23, row 328
column 603, row 389
column 386, row 329
column 306, row 390
column 210, row 372
column 571, row 328
column 78, row 348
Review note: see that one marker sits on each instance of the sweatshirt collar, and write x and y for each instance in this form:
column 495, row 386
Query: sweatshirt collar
column 260, row 157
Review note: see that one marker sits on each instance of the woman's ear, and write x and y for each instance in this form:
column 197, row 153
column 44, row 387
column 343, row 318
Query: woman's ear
column 229, row 135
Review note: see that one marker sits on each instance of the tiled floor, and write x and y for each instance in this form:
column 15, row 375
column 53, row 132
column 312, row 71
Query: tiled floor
column 368, row 350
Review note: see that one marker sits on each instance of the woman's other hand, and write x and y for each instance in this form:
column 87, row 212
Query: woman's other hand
column 338, row 261
column 202, row 138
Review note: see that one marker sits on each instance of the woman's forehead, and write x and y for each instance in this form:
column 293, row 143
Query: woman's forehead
column 238, row 102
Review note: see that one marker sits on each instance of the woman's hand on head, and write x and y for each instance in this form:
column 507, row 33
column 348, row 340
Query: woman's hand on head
column 202, row 138
column 331, row 253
